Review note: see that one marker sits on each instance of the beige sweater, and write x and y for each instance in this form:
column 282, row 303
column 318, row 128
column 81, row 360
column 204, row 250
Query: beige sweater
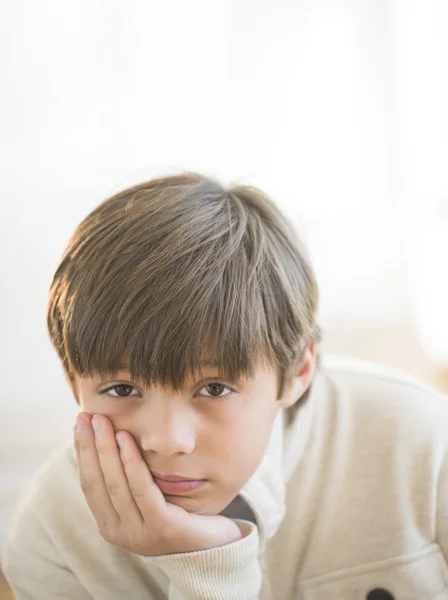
column 350, row 502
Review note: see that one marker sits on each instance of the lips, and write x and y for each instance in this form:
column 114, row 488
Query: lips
column 176, row 484
column 168, row 477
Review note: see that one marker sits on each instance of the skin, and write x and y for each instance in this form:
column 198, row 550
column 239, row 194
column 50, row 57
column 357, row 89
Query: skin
column 193, row 433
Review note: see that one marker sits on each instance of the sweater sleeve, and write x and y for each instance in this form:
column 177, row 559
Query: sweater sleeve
column 32, row 566
column 231, row 571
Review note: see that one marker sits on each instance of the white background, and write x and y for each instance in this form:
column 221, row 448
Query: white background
column 335, row 108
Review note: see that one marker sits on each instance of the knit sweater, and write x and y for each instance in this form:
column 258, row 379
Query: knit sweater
column 350, row 500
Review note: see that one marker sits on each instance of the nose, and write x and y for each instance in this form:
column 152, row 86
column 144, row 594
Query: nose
column 168, row 428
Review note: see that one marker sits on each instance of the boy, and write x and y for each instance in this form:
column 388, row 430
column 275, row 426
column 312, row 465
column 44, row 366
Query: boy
column 214, row 457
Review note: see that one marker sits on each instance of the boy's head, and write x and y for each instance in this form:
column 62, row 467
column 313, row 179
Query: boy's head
column 179, row 280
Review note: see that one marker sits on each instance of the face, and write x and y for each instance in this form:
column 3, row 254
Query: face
column 213, row 430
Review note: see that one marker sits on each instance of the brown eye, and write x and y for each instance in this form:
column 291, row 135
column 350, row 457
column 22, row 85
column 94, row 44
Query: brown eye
column 121, row 390
column 215, row 390
column 124, row 390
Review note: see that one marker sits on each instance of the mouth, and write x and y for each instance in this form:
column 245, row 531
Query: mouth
column 175, row 484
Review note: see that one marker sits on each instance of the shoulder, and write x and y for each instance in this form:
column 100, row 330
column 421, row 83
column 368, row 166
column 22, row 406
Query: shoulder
column 47, row 525
column 54, row 478
column 48, row 495
column 384, row 398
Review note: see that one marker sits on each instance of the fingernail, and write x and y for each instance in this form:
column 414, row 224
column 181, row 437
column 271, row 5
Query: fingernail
column 96, row 424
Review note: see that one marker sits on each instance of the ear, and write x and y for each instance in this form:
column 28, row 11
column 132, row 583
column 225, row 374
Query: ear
column 301, row 380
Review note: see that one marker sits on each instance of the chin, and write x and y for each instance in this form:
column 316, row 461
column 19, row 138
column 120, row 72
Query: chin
column 193, row 505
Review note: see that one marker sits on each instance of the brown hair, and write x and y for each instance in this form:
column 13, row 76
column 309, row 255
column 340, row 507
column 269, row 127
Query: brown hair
column 177, row 270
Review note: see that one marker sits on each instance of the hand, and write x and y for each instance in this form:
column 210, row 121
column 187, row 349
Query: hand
column 130, row 510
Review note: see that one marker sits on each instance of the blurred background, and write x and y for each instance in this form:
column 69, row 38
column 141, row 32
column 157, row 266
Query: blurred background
column 337, row 109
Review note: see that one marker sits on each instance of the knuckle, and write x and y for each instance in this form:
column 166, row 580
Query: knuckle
column 89, row 485
column 137, row 491
column 106, row 532
column 109, row 529
column 128, row 461
column 83, row 445
column 113, row 488
column 102, row 448
column 85, row 485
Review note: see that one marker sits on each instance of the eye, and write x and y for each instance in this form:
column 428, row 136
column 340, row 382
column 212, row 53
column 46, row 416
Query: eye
column 122, row 390
column 215, row 390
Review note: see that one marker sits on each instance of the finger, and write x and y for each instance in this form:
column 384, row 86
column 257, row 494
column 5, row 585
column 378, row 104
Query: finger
column 114, row 474
column 78, row 455
column 81, row 473
column 147, row 495
column 92, row 479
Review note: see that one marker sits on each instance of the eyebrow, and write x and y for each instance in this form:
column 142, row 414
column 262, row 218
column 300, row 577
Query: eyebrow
column 208, row 363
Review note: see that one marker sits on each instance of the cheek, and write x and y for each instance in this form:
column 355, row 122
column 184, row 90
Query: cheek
column 239, row 442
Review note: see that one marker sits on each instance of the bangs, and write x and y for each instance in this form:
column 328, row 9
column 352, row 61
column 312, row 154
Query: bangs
column 201, row 328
